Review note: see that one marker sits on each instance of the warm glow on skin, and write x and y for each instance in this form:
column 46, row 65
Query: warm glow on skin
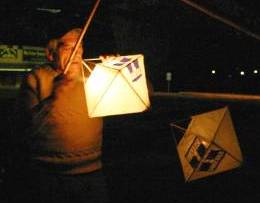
column 205, row 143
column 64, row 51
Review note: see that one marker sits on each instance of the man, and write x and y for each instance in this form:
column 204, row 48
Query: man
column 61, row 145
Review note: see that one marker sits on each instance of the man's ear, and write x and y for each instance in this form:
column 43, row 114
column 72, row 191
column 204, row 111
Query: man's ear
column 48, row 54
column 50, row 58
column 54, row 55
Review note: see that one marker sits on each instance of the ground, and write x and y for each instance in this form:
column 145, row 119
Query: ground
column 141, row 162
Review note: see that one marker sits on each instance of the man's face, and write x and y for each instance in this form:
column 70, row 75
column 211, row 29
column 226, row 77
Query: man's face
column 64, row 51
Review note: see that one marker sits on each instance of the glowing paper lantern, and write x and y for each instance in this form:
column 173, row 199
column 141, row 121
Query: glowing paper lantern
column 209, row 145
column 117, row 86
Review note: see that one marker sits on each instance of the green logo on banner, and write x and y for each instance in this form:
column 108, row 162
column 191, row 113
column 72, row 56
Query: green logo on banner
column 8, row 53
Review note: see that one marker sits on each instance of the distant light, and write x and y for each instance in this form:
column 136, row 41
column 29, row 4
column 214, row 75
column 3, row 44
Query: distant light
column 213, row 71
column 49, row 10
column 242, row 73
column 255, row 71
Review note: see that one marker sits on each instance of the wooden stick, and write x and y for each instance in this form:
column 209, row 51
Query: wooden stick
column 178, row 127
column 81, row 36
column 222, row 19
column 86, row 66
column 93, row 59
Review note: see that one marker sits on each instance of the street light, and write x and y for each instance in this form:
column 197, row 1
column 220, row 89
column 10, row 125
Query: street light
column 213, row 72
column 242, row 73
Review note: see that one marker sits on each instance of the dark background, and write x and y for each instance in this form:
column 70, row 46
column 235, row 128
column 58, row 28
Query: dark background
column 172, row 35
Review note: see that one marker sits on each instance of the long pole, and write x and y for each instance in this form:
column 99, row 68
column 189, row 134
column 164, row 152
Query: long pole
column 81, row 36
column 222, row 19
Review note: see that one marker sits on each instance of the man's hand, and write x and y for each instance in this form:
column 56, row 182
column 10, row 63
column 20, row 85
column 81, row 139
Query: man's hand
column 59, row 82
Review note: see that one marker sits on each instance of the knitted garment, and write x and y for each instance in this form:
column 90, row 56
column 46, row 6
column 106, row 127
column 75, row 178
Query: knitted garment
column 60, row 136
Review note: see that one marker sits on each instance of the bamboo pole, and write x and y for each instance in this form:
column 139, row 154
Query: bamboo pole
column 86, row 66
column 178, row 127
column 81, row 36
column 222, row 19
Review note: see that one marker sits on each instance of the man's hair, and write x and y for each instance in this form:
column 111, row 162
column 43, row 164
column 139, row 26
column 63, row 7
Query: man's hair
column 72, row 34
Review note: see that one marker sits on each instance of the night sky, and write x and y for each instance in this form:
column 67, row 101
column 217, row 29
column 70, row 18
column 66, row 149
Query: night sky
column 172, row 35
